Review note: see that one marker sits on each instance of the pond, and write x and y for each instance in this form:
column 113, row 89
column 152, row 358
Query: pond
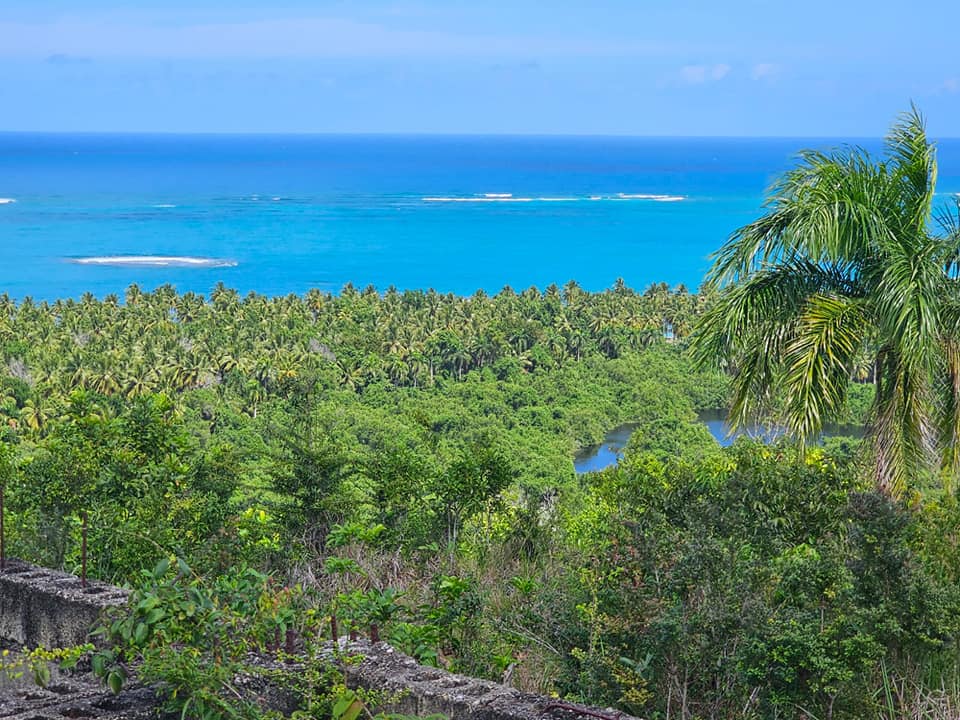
column 609, row 452
column 597, row 457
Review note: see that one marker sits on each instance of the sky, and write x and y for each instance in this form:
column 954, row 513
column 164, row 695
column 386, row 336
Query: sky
column 833, row 68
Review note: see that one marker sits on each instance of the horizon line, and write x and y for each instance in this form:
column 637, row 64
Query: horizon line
column 444, row 134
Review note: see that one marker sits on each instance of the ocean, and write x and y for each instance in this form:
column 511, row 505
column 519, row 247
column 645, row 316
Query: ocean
column 283, row 214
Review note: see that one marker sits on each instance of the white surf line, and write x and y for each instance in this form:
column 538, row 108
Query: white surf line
column 498, row 197
column 650, row 196
column 509, row 197
column 153, row 261
column 483, row 199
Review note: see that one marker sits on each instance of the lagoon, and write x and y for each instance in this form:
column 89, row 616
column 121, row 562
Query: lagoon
column 609, row 452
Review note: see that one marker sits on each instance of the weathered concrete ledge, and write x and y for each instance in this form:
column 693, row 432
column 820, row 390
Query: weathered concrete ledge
column 424, row 690
column 48, row 608
column 69, row 698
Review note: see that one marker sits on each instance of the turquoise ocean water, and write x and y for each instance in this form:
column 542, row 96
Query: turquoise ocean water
column 281, row 214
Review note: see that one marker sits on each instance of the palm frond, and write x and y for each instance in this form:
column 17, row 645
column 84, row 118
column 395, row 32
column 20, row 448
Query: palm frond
column 752, row 323
column 819, row 359
column 916, row 167
column 903, row 431
column 947, row 219
column 829, row 209
column 908, row 298
column 949, row 420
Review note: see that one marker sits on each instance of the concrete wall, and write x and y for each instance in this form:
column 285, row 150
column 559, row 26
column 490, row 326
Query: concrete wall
column 73, row 698
column 41, row 607
column 424, row 690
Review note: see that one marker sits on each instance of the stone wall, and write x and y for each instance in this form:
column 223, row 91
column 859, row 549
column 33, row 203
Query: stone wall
column 45, row 608
column 424, row 690
column 40, row 607
column 73, row 698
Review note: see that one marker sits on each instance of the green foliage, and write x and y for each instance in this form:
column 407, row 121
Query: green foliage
column 362, row 610
column 38, row 662
column 192, row 637
column 177, row 423
column 770, row 581
column 673, row 436
column 196, row 637
column 405, row 459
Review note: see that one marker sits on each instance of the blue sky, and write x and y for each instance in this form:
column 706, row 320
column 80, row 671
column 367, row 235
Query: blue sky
column 739, row 67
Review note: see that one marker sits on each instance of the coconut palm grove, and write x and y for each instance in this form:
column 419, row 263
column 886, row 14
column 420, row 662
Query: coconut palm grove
column 263, row 471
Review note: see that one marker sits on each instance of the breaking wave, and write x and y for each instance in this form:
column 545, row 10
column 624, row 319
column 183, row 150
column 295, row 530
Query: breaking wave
column 7, row 201
column 647, row 196
column 491, row 198
column 510, row 198
column 154, row 261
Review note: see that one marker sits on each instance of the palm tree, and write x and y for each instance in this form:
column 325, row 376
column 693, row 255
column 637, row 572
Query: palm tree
column 139, row 380
column 844, row 263
column 34, row 415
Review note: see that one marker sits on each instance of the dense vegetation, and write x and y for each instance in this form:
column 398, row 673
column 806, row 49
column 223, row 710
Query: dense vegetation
column 190, row 417
column 407, row 457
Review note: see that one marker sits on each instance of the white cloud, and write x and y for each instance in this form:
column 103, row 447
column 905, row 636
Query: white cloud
column 763, row 71
column 317, row 36
column 720, row 71
column 61, row 59
column 699, row 74
column 951, row 85
column 140, row 35
column 693, row 74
